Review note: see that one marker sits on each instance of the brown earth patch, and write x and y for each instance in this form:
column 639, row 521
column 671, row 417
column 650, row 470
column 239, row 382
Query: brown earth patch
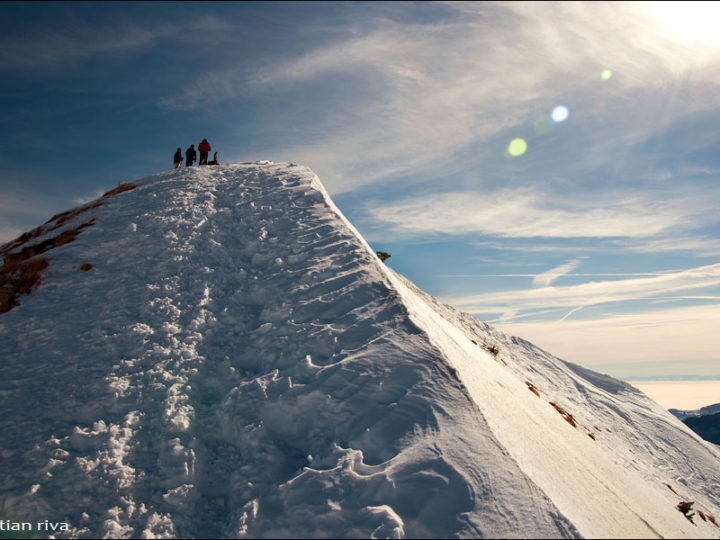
column 532, row 388
column 22, row 270
column 566, row 415
column 19, row 277
column 125, row 186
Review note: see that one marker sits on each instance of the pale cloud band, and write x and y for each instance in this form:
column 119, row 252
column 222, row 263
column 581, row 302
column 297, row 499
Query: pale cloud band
column 522, row 213
column 546, row 278
column 62, row 47
column 684, row 339
column 588, row 294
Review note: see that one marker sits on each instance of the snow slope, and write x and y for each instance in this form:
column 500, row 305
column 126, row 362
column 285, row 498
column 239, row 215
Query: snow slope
column 237, row 362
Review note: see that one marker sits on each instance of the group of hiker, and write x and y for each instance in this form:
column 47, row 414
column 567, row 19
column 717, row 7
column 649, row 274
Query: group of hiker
column 191, row 155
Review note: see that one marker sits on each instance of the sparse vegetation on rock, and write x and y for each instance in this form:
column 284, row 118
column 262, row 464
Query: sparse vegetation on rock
column 533, row 388
column 384, row 256
column 566, row 415
column 22, row 268
column 686, row 508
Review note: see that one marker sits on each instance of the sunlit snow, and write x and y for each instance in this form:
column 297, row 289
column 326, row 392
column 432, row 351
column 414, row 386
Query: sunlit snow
column 237, row 362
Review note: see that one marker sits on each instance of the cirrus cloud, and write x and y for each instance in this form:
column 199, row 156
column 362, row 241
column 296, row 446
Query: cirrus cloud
column 512, row 302
column 523, row 213
column 546, row 278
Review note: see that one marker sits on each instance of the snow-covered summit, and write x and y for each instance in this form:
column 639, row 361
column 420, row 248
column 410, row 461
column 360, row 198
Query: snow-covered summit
column 217, row 352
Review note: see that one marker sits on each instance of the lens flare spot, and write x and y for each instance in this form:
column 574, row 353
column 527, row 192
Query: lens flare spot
column 606, row 74
column 560, row 114
column 517, row 147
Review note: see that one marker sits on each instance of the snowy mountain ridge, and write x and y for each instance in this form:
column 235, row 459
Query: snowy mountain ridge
column 703, row 411
column 235, row 361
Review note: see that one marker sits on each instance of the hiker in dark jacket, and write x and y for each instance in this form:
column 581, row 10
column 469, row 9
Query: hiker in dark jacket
column 190, row 156
column 177, row 158
column 204, row 148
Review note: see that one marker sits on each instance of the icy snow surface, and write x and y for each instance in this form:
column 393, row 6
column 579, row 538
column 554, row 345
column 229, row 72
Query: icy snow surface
column 239, row 363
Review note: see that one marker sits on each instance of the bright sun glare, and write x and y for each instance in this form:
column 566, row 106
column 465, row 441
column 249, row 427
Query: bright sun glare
column 690, row 23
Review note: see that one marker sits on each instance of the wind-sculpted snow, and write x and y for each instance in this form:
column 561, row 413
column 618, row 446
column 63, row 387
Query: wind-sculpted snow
column 238, row 363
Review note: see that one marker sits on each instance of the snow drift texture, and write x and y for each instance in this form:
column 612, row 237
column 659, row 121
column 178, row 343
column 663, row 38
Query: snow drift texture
column 236, row 361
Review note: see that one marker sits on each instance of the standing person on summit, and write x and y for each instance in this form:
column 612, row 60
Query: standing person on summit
column 204, row 148
column 190, row 156
column 177, row 158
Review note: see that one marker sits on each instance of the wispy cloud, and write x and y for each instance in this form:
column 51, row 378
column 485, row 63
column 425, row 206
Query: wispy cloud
column 27, row 207
column 588, row 294
column 594, row 274
column 673, row 243
column 523, row 213
column 546, row 278
column 212, row 86
column 8, row 233
column 436, row 88
column 75, row 40
column 84, row 199
column 685, row 337
column 464, row 83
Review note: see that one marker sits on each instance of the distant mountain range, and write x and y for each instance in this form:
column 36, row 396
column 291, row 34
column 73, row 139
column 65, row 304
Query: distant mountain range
column 705, row 422
column 683, row 414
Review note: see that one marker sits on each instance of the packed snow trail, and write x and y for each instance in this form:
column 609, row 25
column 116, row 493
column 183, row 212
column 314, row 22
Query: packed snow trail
column 238, row 362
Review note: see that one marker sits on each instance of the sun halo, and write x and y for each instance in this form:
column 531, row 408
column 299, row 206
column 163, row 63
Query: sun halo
column 689, row 23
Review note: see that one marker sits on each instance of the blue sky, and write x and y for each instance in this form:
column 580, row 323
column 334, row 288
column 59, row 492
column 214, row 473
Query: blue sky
column 600, row 242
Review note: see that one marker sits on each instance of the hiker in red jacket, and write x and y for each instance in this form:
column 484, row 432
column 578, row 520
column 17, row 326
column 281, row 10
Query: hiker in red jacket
column 203, row 148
